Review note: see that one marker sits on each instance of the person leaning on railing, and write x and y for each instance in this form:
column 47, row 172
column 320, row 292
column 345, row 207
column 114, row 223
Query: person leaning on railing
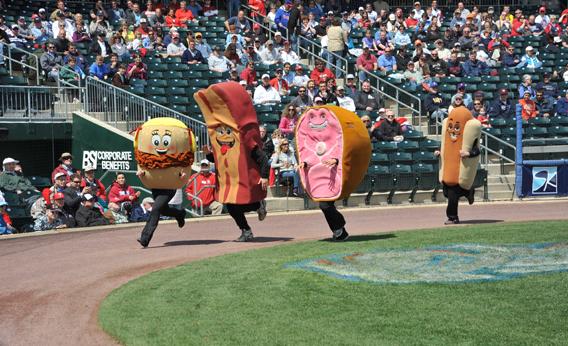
column 49, row 62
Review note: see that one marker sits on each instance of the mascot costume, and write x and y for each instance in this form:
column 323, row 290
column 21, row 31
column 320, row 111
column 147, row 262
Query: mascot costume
column 164, row 149
column 242, row 167
column 334, row 150
column 459, row 157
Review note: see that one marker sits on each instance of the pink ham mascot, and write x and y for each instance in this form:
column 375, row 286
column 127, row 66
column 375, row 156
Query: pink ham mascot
column 334, row 150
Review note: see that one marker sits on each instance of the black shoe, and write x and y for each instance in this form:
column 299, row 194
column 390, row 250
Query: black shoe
column 340, row 235
column 452, row 221
column 144, row 245
column 471, row 196
column 181, row 220
column 246, row 236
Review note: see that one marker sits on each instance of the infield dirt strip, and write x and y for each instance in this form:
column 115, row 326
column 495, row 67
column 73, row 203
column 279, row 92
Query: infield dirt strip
column 51, row 285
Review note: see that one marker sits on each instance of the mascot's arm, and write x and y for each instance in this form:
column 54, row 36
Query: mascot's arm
column 259, row 156
column 475, row 149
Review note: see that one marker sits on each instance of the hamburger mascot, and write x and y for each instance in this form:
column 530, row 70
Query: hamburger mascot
column 164, row 149
column 459, row 157
column 242, row 167
column 334, row 150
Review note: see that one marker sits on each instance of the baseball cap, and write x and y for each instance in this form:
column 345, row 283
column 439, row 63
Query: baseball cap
column 9, row 160
column 65, row 155
column 204, row 162
column 546, row 75
column 198, row 34
column 59, row 175
column 461, row 86
column 542, row 9
column 350, row 76
column 330, row 13
column 101, row 14
column 490, row 9
column 529, row 48
column 434, row 85
column 60, row 14
column 59, row 195
column 14, row 26
column 256, row 26
column 340, row 87
column 22, row 19
column 88, row 197
column 143, row 20
column 269, row 42
column 503, row 91
column 149, row 200
column 299, row 67
column 89, row 168
column 278, row 33
column 381, row 110
column 265, row 76
column 478, row 93
column 318, row 99
column 278, row 70
column 37, row 20
column 243, row 82
column 41, row 10
column 361, row 9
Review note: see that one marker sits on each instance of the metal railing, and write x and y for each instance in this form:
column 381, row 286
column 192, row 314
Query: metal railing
column 15, row 51
column 37, row 103
column 126, row 111
column 264, row 24
column 314, row 47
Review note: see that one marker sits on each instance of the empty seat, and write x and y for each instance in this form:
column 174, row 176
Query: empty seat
column 384, row 147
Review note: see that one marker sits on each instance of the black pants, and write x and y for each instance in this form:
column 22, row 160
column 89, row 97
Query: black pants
column 333, row 217
column 237, row 212
column 453, row 194
column 160, row 207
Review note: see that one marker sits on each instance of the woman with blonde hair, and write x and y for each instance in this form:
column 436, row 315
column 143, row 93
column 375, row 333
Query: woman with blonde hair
column 288, row 121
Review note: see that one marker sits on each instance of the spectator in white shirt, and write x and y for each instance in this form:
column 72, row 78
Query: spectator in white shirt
column 269, row 55
column 265, row 93
column 288, row 55
column 418, row 11
column 217, row 61
column 300, row 79
column 176, row 48
column 343, row 101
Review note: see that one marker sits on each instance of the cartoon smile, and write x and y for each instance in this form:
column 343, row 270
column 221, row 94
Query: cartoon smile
column 226, row 143
column 453, row 137
column 454, row 131
column 225, row 137
column 318, row 127
column 162, row 151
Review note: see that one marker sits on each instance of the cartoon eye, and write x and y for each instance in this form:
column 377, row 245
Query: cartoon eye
column 228, row 131
column 220, row 131
column 166, row 140
column 156, row 139
column 450, row 126
column 322, row 116
column 457, row 127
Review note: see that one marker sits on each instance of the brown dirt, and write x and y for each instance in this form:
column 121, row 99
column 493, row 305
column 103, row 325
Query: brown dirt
column 51, row 285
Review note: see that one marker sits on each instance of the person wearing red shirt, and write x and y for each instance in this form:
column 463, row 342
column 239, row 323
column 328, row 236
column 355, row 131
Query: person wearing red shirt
column 366, row 62
column 121, row 193
column 203, row 186
column 249, row 74
column 528, row 106
column 280, row 84
column 183, row 14
column 143, row 28
column 518, row 21
column 97, row 188
column 564, row 17
column 258, row 7
column 321, row 73
column 497, row 42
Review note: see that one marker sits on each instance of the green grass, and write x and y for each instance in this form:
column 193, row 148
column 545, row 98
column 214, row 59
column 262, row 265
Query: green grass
column 249, row 298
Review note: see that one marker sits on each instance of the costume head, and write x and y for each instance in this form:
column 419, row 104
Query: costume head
column 459, row 132
column 233, row 129
column 331, row 132
column 164, row 148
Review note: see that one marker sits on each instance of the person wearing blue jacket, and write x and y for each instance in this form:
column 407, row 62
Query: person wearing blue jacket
column 282, row 17
column 474, row 67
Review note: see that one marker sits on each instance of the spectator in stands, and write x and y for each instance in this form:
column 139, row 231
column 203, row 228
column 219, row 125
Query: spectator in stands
column 249, row 55
column 209, row 10
column 62, row 25
column 336, row 43
column 282, row 16
column 389, row 129
column 113, row 65
column 99, row 69
column 235, row 38
column 192, row 56
column 413, row 77
column 65, row 166
column 325, row 93
column 195, row 8
column 526, row 85
column 240, row 23
column 176, row 47
column 457, row 101
column 157, row 20
column 184, row 14
column 202, row 185
column 49, row 220
column 73, row 193
column 288, row 121
column 285, row 162
column 232, row 55
column 344, row 101
column 369, row 40
column 23, row 29
column 116, row 13
column 350, row 87
column 119, row 48
column 141, row 213
column 438, row 67
column 137, row 69
column 100, row 25
column 218, row 62
column 435, row 104
column 467, row 99
column 134, row 16
column 502, row 107
column 143, row 28
column 12, row 180
column 544, row 104
column 530, row 59
column 72, row 73
column 477, row 108
column 562, row 106
column 202, row 46
column 302, row 101
column 59, row 185
column 300, row 79
column 510, row 59
column 279, row 83
column 366, row 62
column 288, row 55
column 88, row 215
column 474, row 67
column 255, row 33
column 96, row 187
column 114, row 215
column 248, row 75
column 122, row 194
column 528, row 106
column 387, row 62
column 307, row 30
column 550, row 88
column 269, row 55
column 287, row 74
column 479, row 96
column 401, row 38
column 265, row 93
column 61, row 43
column 100, row 46
column 74, row 52
column 367, row 99
column 38, row 31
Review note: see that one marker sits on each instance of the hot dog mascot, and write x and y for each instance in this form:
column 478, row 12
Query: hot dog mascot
column 334, row 151
column 164, row 149
column 242, row 167
column 459, row 157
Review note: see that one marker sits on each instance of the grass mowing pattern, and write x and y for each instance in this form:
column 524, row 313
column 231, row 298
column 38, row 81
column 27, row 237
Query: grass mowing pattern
column 250, row 298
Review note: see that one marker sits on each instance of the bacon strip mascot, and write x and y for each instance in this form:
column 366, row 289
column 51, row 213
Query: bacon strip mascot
column 334, row 150
column 459, row 159
column 164, row 149
column 242, row 167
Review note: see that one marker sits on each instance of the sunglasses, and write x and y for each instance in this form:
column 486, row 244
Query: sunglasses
column 66, row 157
column 476, row 104
column 301, row 91
column 366, row 121
column 77, row 181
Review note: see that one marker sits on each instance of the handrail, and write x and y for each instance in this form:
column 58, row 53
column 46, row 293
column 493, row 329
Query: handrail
column 313, row 44
column 251, row 10
column 64, row 82
column 10, row 59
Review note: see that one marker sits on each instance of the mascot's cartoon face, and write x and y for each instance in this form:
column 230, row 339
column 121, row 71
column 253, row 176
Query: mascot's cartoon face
column 163, row 140
column 318, row 119
column 225, row 137
column 455, row 129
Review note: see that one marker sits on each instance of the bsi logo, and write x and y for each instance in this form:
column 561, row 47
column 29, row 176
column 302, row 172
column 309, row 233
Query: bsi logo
column 545, row 180
column 89, row 158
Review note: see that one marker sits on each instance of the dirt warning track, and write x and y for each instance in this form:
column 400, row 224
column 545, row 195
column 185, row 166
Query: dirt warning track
column 51, row 285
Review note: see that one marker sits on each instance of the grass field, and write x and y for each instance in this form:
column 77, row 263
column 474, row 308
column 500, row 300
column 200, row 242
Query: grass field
column 250, row 298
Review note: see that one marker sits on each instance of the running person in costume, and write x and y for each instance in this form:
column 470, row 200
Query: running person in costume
column 236, row 148
column 164, row 149
column 334, row 151
column 459, row 157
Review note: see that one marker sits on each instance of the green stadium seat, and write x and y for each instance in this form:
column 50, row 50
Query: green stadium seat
column 202, row 83
column 135, row 81
column 497, row 122
column 537, row 132
column 401, row 158
column 200, row 67
column 539, row 121
column 379, row 159
column 162, row 100
column 509, row 132
column 179, row 100
column 268, row 118
column 176, row 91
column 426, row 157
column 178, row 67
column 156, row 91
column 172, row 60
column 559, row 131
column 559, row 121
column 180, row 108
column 173, row 75
column 13, row 80
column 157, row 83
column 385, row 147
column 158, row 67
column 180, row 83
column 414, row 135
column 430, row 145
column 40, row 182
column 378, row 169
column 155, row 74
column 421, row 168
column 137, row 89
column 192, row 74
column 408, row 146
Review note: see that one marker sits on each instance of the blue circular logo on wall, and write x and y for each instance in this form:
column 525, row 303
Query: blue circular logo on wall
column 443, row 264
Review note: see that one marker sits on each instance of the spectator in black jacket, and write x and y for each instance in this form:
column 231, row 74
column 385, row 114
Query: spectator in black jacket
column 435, row 103
column 389, row 129
column 101, row 47
column 73, row 194
column 367, row 99
column 191, row 55
column 88, row 215
column 550, row 88
column 502, row 107
column 544, row 104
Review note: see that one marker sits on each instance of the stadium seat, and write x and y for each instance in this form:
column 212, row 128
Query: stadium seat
column 401, row 158
column 538, row 132
column 180, row 83
column 408, row 146
column 202, row 83
column 429, row 144
column 162, row 100
column 192, row 74
column 176, row 91
column 155, row 74
column 178, row 67
column 425, row 157
column 13, row 80
column 173, row 75
column 178, row 100
column 156, row 91
column 559, row 131
column 385, row 147
column 157, row 83
column 180, row 108
column 414, row 135
column 539, row 121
